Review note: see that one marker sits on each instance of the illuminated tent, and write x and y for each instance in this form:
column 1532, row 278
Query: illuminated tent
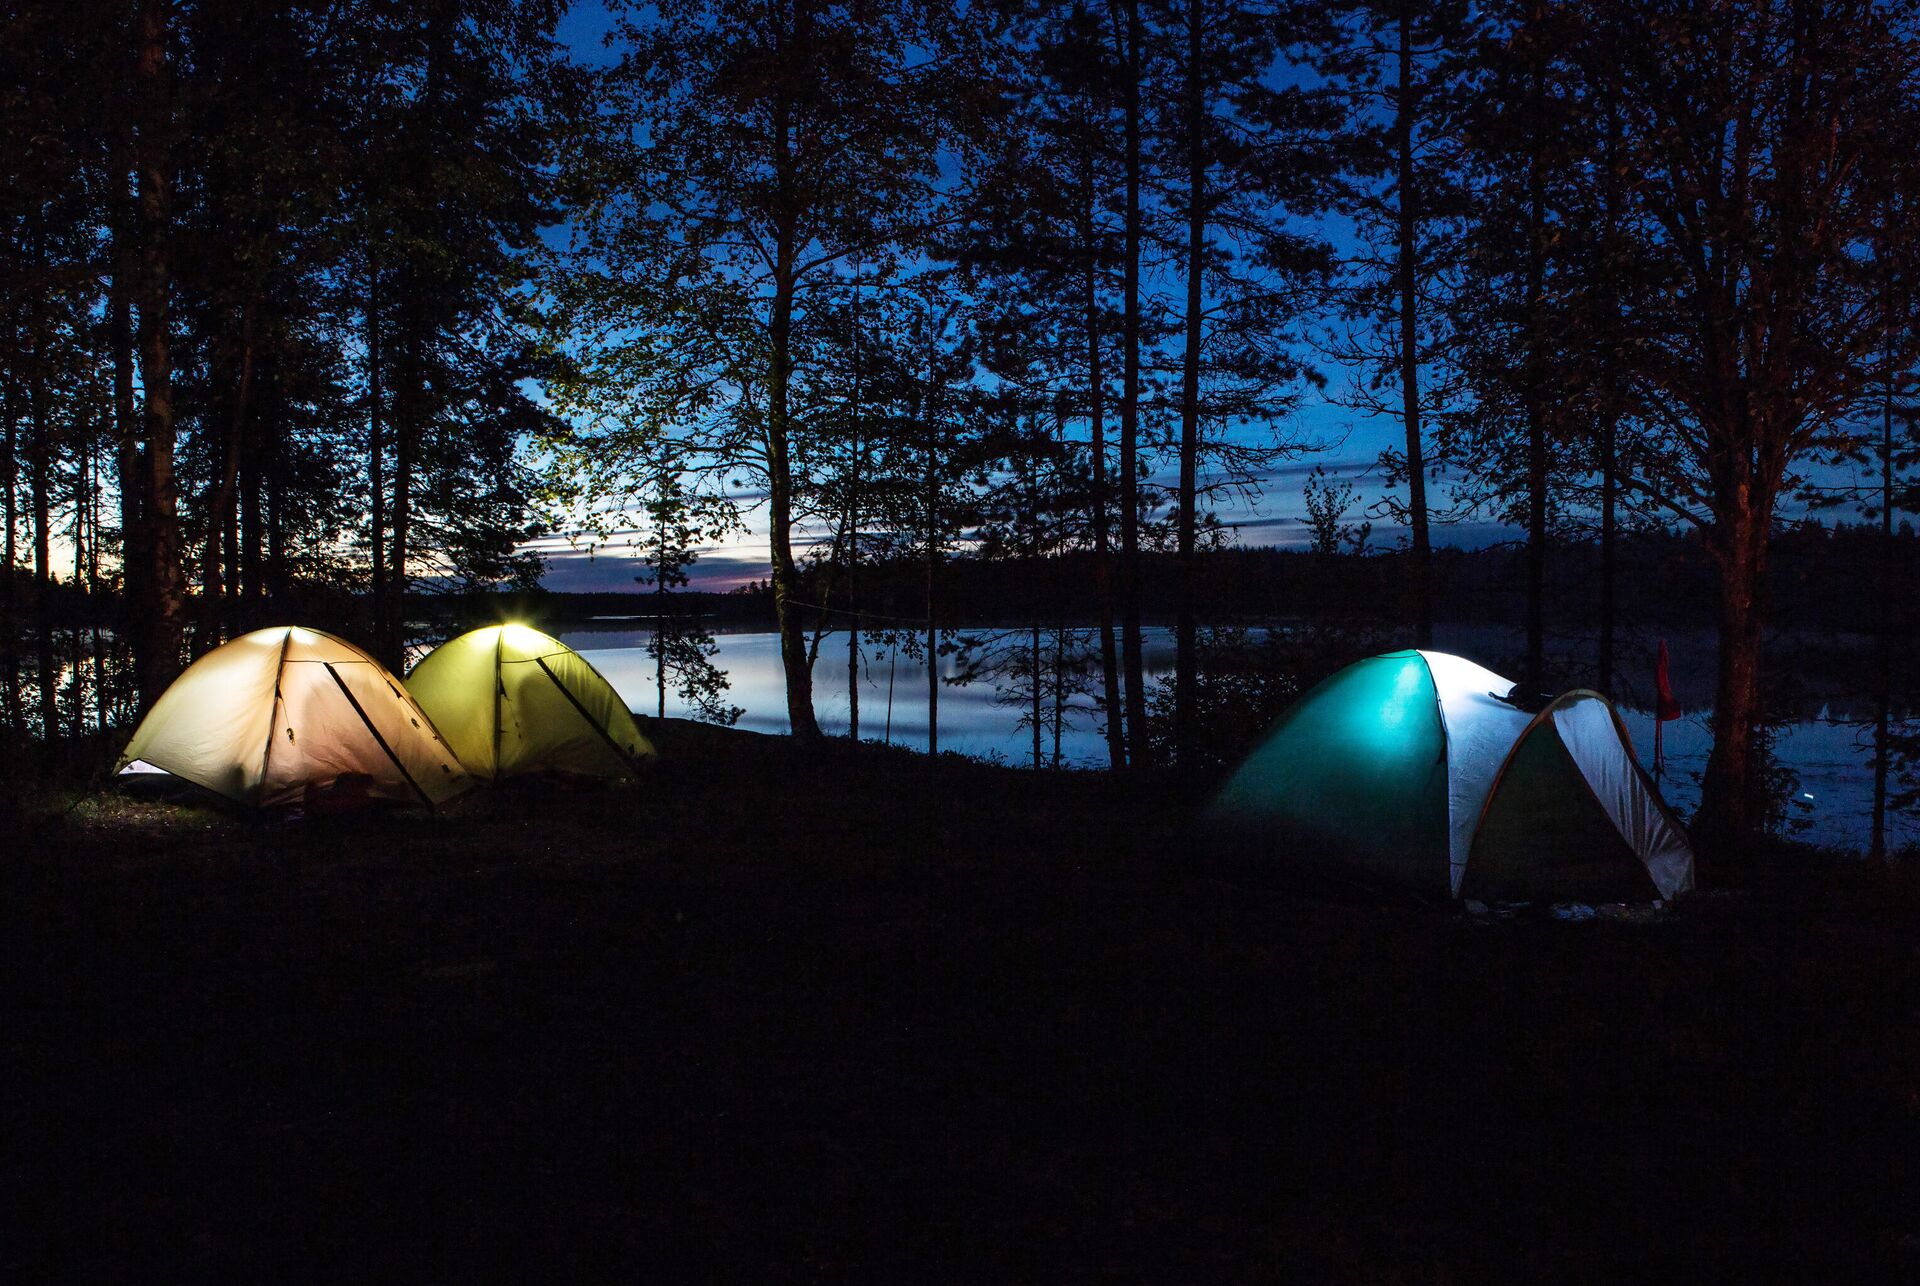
column 279, row 712
column 512, row 700
column 1378, row 774
column 1571, row 816
column 1410, row 771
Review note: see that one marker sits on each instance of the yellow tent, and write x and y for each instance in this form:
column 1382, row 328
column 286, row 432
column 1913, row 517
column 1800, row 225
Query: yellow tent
column 512, row 700
column 268, row 716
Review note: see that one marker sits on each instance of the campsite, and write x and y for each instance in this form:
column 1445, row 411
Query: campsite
column 959, row 640
column 856, row 1012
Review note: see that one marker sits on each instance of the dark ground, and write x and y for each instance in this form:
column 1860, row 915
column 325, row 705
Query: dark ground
column 863, row 1014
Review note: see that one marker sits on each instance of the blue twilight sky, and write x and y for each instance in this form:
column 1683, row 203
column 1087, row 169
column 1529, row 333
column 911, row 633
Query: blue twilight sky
column 1346, row 443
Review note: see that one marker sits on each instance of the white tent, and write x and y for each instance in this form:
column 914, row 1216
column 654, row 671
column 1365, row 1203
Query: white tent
column 278, row 712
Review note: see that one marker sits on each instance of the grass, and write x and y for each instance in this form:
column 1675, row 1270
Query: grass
column 852, row 1012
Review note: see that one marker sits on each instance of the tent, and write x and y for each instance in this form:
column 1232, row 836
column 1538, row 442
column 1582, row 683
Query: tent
column 274, row 714
column 512, row 700
column 1410, row 770
column 1571, row 816
column 1378, row 774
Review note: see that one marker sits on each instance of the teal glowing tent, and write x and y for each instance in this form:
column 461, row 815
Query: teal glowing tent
column 1413, row 771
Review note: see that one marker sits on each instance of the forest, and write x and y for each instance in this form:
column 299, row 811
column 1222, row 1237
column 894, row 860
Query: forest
column 329, row 310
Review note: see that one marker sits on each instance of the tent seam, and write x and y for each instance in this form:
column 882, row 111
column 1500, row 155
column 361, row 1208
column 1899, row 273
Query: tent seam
column 574, row 701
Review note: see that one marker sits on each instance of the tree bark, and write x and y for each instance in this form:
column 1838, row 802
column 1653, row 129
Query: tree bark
column 221, row 506
column 1609, row 544
column 92, row 501
column 252, row 591
column 1535, row 674
column 1039, row 726
column 926, row 408
column 662, row 638
column 1883, row 649
column 376, row 461
column 853, row 545
column 1137, row 752
column 1607, row 332
column 1186, row 628
column 1730, row 795
column 1102, row 498
column 1420, row 556
column 408, row 422
column 39, row 502
column 129, row 467
column 9, row 601
column 786, row 572
column 158, row 658
column 1883, row 658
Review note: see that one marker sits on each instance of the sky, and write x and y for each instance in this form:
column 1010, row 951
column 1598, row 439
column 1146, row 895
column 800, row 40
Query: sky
column 1344, row 442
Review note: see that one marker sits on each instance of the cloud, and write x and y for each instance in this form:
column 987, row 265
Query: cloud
column 574, row 571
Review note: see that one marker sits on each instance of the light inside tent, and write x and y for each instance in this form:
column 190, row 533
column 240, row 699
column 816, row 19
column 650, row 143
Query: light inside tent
column 1404, row 699
column 524, row 637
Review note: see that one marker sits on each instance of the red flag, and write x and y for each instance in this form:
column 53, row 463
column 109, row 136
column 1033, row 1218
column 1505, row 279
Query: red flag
column 1665, row 707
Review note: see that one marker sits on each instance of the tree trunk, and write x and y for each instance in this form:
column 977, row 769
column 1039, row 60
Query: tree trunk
column 1731, row 792
column 1420, row 556
column 1059, row 685
column 1607, row 330
column 39, row 501
column 376, row 462
column 853, row 522
column 1039, row 724
column 275, row 562
column 252, row 591
column 853, row 600
column 10, row 479
column 222, row 505
column 129, row 467
column 158, row 657
column 926, row 408
column 409, row 414
column 92, row 501
column 1130, row 418
column 661, row 637
column 1609, row 543
column 1536, row 667
column 1883, row 660
column 82, row 537
column 1186, row 630
column 1102, row 542
column 786, row 573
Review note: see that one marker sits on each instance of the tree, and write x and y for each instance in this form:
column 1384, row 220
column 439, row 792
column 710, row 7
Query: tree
column 1761, row 135
column 681, row 649
column 1257, row 156
column 1405, row 70
column 160, row 580
column 1040, row 240
column 752, row 148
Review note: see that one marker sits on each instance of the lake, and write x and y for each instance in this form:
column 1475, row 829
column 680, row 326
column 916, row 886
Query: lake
column 1831, row 756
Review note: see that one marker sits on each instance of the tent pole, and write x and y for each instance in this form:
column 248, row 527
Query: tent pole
column 273, row 717
column 354, row 701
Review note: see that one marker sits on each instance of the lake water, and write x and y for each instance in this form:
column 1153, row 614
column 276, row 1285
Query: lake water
column 982, row 718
